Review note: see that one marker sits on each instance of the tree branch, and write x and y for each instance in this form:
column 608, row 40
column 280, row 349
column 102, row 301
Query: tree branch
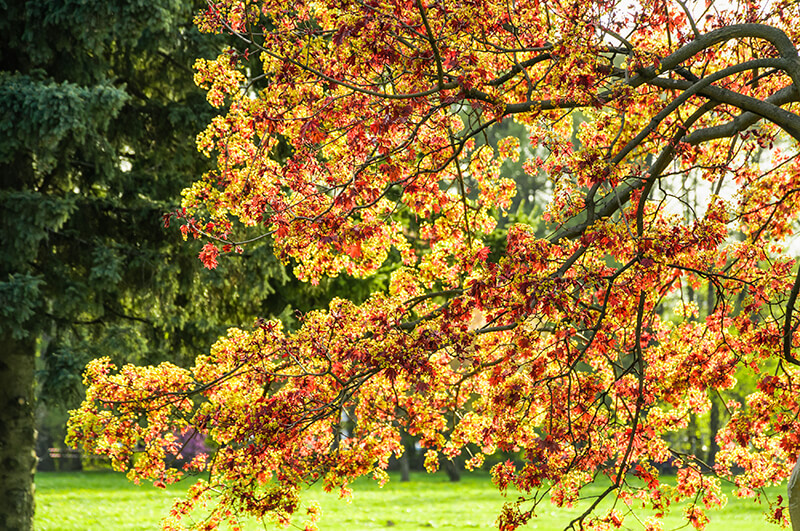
column 787, row 322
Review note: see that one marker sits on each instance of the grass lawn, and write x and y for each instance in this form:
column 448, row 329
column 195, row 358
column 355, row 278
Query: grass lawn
column 87, row 501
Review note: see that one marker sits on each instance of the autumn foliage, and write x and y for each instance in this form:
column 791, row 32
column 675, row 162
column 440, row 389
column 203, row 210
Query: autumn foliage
column 668, row 134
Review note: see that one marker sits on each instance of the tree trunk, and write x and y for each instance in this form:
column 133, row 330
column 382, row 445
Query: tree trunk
column 692, row 433
column 794, row 497
column 405, row 467
column 453, row 472
column 713, row 428
column 18, row 429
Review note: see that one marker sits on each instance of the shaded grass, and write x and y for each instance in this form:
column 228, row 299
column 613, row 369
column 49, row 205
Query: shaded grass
column 106, row 501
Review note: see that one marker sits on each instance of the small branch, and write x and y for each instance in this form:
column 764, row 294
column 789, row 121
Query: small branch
column 690, row 18
column 432, row 40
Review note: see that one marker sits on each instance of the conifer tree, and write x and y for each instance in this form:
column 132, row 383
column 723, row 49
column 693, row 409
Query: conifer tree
column 98, row 118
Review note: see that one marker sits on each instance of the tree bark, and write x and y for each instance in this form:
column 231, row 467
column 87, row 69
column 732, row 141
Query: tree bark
column 714, row 420
column 713, row 428
column 692, row 434
column 794, row 497
column 453, row 472
column 405, row 467
column 18, row 429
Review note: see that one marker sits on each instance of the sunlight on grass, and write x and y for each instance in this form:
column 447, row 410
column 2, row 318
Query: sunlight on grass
column 106, row 501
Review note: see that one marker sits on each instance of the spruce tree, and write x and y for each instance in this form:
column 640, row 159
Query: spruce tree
column 98, row 117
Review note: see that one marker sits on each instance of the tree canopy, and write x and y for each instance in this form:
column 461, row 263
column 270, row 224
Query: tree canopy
column 668, row 132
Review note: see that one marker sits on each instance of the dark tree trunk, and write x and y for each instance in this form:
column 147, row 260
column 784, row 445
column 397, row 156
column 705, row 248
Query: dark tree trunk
column 405, row 467
column 453, row 472
column 713, row 427
column 714, row 415
column 794, row 497
column 692, row 434
column 18, row 429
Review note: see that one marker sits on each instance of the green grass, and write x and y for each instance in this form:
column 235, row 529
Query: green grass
column 106, row 501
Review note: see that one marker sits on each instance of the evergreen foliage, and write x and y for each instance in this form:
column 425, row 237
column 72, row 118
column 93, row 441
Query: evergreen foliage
column 98, row 118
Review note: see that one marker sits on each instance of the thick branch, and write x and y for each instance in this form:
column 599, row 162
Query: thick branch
column 778, row 38
column 786, row 120
column 788, row 332
column 617, row 198
column 743, row 121
column 700, row 86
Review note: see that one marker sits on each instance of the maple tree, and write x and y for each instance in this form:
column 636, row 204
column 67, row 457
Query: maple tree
column 579, row 350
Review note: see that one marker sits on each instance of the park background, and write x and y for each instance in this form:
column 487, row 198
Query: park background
column 99, row 117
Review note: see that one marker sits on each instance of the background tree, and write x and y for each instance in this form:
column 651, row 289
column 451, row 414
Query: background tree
column 581, row 349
